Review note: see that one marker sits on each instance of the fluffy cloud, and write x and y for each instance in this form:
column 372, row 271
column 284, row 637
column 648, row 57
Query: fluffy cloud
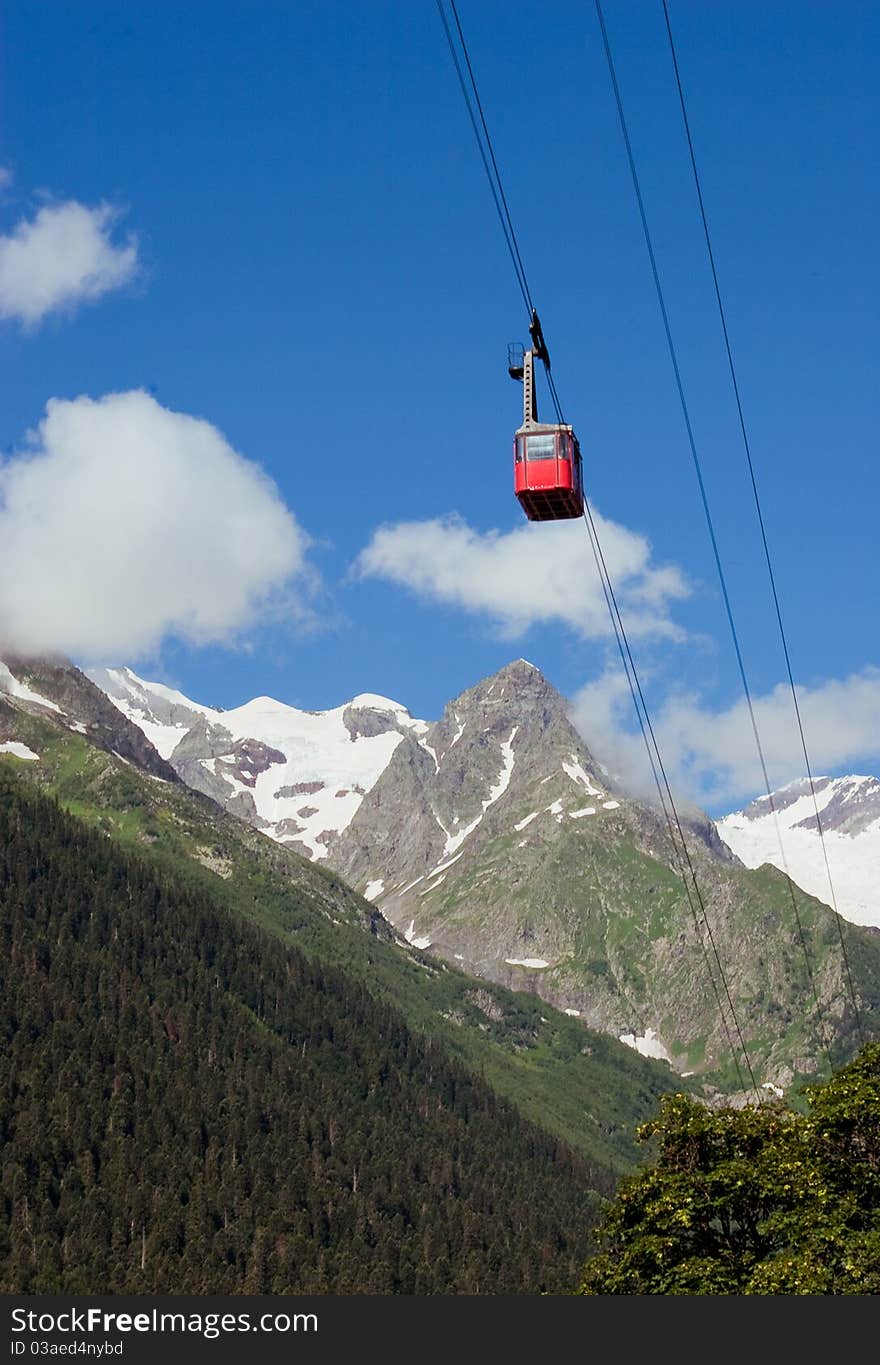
column 124, row 522
column 529, row 575
column 710, row 754
column 60, row 258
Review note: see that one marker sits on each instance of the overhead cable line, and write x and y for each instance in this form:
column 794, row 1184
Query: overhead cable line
column 657, row 769
column 496, row 184
column 629, row 666
column 485, row 126
column 758, row 508
column 728, row 607
column 497, row 189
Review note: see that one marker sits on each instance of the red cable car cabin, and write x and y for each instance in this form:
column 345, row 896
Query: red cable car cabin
column 546, row 457
column 547, row 472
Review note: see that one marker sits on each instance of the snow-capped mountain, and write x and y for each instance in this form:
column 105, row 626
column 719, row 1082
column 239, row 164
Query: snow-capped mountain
column 299, row 776
column 502, row 845
column 849, row 809
column 492, row 838
column 163, row 714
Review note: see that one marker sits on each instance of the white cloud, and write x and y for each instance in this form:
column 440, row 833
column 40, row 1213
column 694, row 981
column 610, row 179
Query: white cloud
column 535, row 573
column 125, row 522
column 60, row 258
column 5, row 177
column 710, row 755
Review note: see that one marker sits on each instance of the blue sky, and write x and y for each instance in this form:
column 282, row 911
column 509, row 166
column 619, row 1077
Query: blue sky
column 320, row 276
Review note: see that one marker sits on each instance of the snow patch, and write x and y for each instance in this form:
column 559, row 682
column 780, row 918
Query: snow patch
column 575, row 1014
column 164, row 738
column 423, row 744
column 500, row 787
column 649, row 1045
column 374, row 889
column 454, row 841
column 18, row 750
column 578, row 774
column 527, row 821
column 533, row 962
column 610, row 805
column 459, row 732
column 853, row 848
column 584, row 810
column 443, row 867
column 411, row 938
column 14, row 688
column 433, row 886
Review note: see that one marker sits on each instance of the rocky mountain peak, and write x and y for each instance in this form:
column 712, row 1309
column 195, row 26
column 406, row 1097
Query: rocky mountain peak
column 516, row 695
column 57, row 687
column 516, row 684
column 503, row 754
column 494, row 839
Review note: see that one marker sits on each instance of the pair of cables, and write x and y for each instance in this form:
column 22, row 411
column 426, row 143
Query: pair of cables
column 682, row 859
column 707, row 513
column 470, row 92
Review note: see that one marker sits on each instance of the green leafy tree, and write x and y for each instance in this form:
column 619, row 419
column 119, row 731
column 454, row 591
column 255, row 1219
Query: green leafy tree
column 758, row 1200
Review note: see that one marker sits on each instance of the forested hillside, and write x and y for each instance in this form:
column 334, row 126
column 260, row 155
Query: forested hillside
column 584, row 1086
column 189, row 1105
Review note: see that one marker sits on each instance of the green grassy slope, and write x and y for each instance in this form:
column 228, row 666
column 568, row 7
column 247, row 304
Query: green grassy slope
column 615, row 924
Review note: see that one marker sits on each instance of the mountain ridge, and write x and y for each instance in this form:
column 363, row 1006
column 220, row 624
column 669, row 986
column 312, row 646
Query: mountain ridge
column 493, row 840
column 548, row 1065
column 297, row 775
column 516, row 854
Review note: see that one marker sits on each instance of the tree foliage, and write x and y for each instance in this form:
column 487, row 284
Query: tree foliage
column 189, row 1106
column 759, row 1200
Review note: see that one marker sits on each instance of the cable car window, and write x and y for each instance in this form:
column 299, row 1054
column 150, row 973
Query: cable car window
column 541, row 447
column 564, row 446
column 519, row 449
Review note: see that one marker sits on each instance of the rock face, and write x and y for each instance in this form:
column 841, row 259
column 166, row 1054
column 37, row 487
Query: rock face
column 849, row 810
column 499, row 842
column 493, row 838
column 57, row 687
column 439, row 800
